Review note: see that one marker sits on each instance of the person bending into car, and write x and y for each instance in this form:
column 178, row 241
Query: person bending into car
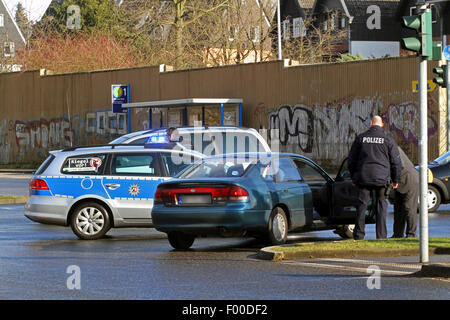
column 405, row 199
column 373, row 162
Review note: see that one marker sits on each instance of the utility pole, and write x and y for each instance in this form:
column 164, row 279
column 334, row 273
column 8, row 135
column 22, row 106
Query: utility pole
column 423, row 160
column 280, row 57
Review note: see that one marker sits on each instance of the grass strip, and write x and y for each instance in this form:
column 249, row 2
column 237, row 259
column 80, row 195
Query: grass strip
column 13, row 199
column 353, row 245
column 353, row 249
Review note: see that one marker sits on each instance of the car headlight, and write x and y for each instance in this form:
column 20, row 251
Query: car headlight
column 430, row 176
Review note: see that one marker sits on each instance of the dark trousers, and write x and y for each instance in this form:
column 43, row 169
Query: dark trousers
column 405, row 214
column 364, row 196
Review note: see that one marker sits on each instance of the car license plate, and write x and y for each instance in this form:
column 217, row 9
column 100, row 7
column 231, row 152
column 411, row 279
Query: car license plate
column 194, row 199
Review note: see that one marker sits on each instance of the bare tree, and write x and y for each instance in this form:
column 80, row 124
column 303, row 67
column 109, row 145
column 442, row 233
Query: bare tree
column 316, row 41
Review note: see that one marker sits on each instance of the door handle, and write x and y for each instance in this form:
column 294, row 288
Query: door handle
column 112, row 186
column 286, row 190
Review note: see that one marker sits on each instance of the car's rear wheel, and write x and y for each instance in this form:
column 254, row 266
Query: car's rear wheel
column 90, row 221
column 433, row 198
column 180, row 241
column 278, row 227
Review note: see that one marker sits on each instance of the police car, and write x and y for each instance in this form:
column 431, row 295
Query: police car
column 93, row 189
column 209, row 140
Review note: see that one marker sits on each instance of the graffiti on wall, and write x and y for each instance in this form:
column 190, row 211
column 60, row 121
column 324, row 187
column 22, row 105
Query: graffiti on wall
column 43, row 133
column 403, row 119
column 322, row 132
column 106, row 123
column 5, row 145
column 33, row 138
column 327, row 132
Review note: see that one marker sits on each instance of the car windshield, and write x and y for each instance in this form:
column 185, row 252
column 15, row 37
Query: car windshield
column 218, row 168
column 444, row 159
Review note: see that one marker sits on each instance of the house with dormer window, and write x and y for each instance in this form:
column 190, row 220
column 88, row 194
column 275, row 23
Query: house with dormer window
column 11, row 39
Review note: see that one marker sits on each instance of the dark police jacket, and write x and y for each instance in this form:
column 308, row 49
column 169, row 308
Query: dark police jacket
column 409, row 178
column 374, row 159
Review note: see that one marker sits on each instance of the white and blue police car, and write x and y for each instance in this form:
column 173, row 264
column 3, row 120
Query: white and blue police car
column 95, row 188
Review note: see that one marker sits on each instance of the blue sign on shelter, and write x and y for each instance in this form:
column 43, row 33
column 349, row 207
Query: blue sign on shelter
column 120, row 94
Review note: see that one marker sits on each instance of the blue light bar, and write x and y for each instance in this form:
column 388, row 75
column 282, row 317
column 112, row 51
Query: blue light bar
column 158, row 139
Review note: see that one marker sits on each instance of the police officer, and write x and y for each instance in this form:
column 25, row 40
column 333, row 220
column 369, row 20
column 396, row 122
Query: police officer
column 373, row 162
column 405, row 199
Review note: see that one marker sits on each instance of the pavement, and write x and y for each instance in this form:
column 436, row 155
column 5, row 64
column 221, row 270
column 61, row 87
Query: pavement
column 346, row 259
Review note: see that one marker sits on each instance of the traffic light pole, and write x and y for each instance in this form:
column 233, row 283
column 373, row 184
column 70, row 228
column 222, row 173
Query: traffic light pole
column 423, row 160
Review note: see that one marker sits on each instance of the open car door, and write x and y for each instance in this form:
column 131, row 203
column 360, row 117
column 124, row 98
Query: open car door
column 345, row 198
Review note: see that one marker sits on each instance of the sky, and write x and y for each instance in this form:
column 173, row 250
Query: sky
column 34, row 8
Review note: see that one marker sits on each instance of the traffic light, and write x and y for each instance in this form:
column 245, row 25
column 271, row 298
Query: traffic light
column 423, row 25
column 441, row 78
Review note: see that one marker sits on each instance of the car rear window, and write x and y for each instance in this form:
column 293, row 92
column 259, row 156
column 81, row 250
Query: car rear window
column 218, row 168
column 213, row 143
column 45, row 164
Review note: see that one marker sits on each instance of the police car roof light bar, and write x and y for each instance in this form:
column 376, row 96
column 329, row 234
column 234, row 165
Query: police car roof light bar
column 102, row 145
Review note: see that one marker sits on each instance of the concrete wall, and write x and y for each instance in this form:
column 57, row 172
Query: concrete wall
column 319, row 109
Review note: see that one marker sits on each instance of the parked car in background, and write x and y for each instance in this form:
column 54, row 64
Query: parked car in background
column 439, row 187
column 92, row 189
column 260, row 194
column 208, row 140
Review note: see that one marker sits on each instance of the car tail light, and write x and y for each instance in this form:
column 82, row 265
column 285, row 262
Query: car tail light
column 237, row 194
column 218, row 194
column 38, row 184
column 164, row 195
column 158, row 196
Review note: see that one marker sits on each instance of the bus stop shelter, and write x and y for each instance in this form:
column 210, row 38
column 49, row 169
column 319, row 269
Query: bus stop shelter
column 188, row 112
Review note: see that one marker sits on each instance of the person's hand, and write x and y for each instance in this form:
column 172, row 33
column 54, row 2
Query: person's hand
column 395, row 185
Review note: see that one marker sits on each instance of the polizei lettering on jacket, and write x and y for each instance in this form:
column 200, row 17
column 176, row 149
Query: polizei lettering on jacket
column 373, row 140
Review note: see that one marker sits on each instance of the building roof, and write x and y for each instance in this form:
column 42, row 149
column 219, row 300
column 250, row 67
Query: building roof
column 12, row 29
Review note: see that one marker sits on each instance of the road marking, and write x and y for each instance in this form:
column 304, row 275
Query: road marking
column 345, row 268
column 378, row 263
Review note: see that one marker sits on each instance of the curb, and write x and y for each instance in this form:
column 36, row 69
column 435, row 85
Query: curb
column 435, row 270
column 24, row 171
column 269, row 253
column 15, row 200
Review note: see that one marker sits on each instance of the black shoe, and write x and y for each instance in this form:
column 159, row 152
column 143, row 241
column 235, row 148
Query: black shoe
column 396, row 237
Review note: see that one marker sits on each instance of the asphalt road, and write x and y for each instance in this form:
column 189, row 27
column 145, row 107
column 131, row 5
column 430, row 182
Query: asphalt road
column 140, row 264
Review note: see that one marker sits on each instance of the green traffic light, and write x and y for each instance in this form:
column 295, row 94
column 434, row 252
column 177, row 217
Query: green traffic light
column 441, row 78
column 411, row 44
column 439, row 81
column 439, row 70
column 412, row 22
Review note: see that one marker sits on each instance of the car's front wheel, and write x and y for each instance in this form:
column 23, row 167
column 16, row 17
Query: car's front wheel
column 433, row 198
column 278, row 227
column 90, row 221
column 180, row 240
